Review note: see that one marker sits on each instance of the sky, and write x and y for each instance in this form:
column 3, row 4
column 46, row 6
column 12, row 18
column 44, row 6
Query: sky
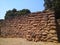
column 32, row 5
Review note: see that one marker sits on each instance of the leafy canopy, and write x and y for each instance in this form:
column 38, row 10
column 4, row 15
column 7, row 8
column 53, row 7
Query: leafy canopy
column 14, row 12
column 53, row 5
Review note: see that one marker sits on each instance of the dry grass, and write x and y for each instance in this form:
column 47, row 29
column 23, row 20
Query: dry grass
column 20, row 41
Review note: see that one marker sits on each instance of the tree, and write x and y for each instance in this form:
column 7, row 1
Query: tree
column 14, row 10
column 9, row 14
column 57, row 8
column 53, row 5
column 48, row 4
column 12, row 13
column 23, row 12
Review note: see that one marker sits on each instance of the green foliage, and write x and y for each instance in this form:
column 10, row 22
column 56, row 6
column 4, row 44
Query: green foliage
column 9, row 14
column 14, row 12
column 48, row 4
column 53, row 5
column 23, row 12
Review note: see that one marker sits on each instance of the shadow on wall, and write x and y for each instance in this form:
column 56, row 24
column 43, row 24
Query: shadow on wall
column 58, row 28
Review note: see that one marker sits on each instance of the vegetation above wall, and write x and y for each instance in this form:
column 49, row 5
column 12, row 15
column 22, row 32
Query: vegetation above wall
column 49, row 4
column 14, row 12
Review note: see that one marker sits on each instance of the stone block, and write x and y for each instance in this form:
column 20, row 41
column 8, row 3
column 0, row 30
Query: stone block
column 52, row 27
column 28, row 37
column 44, row 34
column 52, row 31
column 54, row 38
column 52, row 18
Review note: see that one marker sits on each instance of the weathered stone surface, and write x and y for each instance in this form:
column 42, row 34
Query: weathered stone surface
column 34, row 27
column 52, row 31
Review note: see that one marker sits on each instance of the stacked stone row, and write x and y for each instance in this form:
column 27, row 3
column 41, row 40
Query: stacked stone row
column 47, row 31
column 34, row 27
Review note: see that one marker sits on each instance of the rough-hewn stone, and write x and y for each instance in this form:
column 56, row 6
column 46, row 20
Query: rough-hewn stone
column 34, row 27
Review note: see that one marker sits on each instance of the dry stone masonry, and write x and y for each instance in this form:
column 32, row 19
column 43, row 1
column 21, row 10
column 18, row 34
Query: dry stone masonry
column 39, row 26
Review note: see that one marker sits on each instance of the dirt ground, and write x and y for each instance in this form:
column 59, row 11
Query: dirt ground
column 20, row 41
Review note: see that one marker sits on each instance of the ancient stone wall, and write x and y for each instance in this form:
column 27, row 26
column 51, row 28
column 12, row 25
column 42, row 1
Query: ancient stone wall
column 39, row 26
